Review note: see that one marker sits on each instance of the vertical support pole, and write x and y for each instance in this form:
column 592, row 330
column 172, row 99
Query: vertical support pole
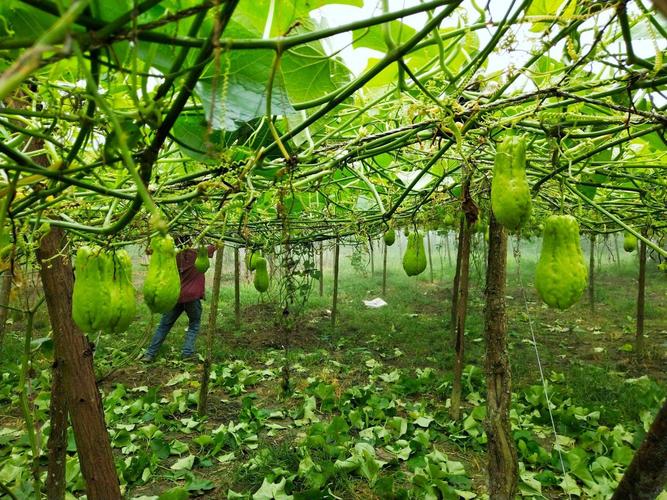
column 441, row 258
column 5, row 291
column 459, row 315
column 449, row 251
column 57, row 444
column 430, row 255
column 384, row 270
column 321, row 269
column 457, row 276
column 202, row 407
column 503, row 464
column 237, row 288
column 591, row 274
column 641, row 298
column 334, row 307
column 372, row 255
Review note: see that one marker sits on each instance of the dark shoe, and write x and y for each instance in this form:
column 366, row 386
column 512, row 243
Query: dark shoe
column 190, row 358
column 147, row 359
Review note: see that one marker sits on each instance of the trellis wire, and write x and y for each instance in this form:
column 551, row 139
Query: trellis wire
column 517, row 257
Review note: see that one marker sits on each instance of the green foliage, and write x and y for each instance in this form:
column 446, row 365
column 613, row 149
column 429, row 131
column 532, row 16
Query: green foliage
column 414, row 259
column 162, row 286
column 560, row 276
column 176, row 493
column 510, row 193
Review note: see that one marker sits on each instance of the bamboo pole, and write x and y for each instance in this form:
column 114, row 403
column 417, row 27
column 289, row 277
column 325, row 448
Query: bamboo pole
column 334, row 307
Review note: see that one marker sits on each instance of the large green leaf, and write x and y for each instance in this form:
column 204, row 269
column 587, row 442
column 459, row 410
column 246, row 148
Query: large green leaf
column 308, row 73
column 192, row 135
column 544, row 69
column 373, row 37
column 23, row 21
column 245, row 96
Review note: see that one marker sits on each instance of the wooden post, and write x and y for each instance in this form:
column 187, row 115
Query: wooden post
column 646, row 475
column 430, row 257
column 457, row 276
column 384, row 270
column 372, row 255
column 334, row 307
column 74, row 354
column 591, row 274
column 441, row 259
column 57, row 444
column 641, row 300
column 33, row 438
column 237, row 289
column 321, row 269
column 5, row 290
column 449, row 252
column 202, row 407
column 459, row 315
column 503, row 465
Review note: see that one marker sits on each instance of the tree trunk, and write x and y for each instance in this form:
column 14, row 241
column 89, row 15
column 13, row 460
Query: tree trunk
column 646, row 475
column 202, row 407
column 641, row 288
column 237, row 289
column 74, row 355
column 430, row 257
column 5, row 290
column 334, row 307
column 321, row 269
column 503, row 467
column 55, row 478
column 618, row 253
column 459, row 314
column 591, row 274
column 384, row 270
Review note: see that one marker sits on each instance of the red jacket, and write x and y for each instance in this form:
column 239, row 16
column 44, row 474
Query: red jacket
column 192, row 281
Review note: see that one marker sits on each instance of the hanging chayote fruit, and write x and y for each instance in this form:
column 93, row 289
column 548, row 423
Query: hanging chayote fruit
column 561, row 272
column 510, row 193
column 414, row 259
column 162, row 286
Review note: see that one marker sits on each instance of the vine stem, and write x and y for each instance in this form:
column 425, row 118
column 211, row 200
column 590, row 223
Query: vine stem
column 617, row 220
column 269, row 98
column 31, row 59
column 128, row 161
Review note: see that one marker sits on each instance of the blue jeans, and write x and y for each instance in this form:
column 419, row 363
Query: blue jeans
column 193, row 310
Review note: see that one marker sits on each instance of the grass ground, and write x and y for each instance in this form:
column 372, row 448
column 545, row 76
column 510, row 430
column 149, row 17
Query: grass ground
column 587, row 352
